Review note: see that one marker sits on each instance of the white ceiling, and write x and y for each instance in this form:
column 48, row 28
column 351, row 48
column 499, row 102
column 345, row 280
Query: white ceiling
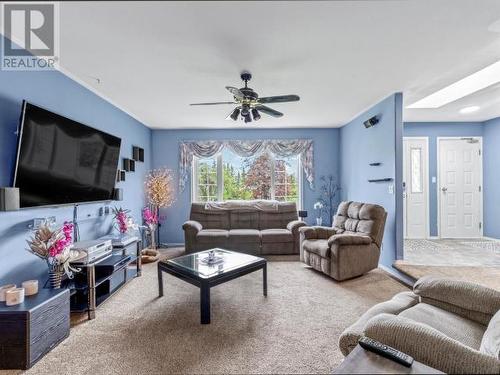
column 341, row 57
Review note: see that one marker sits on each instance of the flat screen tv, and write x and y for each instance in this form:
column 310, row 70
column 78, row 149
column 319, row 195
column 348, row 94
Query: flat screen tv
column 61, row 161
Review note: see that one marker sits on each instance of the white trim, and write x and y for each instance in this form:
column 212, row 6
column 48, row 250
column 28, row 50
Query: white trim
column 491, row 238
column 426, row 184
column 438, row 153
column 398, row 275
column 95, row 91
column 83, row 83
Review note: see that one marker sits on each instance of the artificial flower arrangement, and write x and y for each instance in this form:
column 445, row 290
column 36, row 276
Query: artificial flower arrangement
column 318, row 206
column 122, row 219
column 54, row 246
column 151, row 221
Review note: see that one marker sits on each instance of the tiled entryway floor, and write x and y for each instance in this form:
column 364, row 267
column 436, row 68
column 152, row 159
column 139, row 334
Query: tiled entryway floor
column 453, row 252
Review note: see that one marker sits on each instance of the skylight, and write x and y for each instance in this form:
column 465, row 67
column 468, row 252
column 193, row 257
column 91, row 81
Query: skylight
column 466, row 86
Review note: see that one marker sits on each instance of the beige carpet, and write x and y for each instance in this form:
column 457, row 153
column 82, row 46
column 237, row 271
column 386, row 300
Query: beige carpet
column 294, row 330
column 488, row 276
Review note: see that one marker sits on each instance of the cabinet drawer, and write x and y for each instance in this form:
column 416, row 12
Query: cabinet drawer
column 49, row 325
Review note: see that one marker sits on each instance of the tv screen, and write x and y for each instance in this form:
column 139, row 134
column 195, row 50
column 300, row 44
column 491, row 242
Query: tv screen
column 61, row 161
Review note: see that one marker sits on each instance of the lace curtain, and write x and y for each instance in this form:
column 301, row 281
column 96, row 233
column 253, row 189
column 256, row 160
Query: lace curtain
column 278, row 147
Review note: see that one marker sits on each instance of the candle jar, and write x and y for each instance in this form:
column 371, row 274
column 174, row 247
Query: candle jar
column 5, row 288
column 30, row 287
column 14, row 296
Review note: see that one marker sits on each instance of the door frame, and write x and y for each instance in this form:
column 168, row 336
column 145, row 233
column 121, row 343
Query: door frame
column 438, row 182
column 426, row 184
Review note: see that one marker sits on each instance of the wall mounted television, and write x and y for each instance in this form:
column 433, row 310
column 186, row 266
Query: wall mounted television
column 61, row 161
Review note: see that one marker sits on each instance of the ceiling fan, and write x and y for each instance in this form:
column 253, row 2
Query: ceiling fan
column 249, row 103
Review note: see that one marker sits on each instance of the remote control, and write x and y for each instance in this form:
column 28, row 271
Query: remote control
column 385, row 351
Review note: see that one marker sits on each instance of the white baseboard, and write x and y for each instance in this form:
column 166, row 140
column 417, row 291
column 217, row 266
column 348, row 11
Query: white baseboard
column 173, row 244
column 408, row 281
column 491, row 239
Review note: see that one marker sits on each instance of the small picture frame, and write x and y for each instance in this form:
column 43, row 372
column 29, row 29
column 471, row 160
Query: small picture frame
column 138, row 154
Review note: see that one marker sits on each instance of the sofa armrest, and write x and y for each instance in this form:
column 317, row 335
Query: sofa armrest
column 400, row 302
column 349, row 239
column 293, row 226
column 457, row 293
column 429, row 346
column 192, row 226
column 317, row 233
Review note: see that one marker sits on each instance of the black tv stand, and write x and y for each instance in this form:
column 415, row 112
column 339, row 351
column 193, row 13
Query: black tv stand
column 100, row 280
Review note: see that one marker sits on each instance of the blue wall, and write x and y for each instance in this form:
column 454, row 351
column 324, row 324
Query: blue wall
column 491, row 177
column 359, row 147
column 433, row 130
column 166, row 154
column 58, row 93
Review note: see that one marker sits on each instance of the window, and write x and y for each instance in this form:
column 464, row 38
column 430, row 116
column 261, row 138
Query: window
column 416, row 170
column 228, row 176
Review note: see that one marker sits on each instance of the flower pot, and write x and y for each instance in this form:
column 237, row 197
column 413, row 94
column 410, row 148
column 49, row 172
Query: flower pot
column 319, row 221
column 56, row 273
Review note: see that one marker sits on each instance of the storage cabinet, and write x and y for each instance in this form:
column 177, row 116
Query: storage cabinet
column 31, row 329
column 99, row 280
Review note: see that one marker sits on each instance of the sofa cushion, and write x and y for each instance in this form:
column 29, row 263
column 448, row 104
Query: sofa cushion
column 215, row 236
column 318, row 247
column 490, row 343
column 244, row 219
column 276, row 235
column 287, row 211
column 452, row 325
column 464, row 294
column 364, row 218
column 244, row 236
column 209, row 219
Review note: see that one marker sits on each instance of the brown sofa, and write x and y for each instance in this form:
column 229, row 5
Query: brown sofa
column 246, row 230
column 451, row 325
column 351, row 247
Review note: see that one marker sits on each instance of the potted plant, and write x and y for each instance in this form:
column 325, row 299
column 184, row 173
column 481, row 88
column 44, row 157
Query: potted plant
column 54, row 247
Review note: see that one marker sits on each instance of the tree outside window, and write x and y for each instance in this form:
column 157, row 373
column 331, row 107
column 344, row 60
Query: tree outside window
column 228, row 176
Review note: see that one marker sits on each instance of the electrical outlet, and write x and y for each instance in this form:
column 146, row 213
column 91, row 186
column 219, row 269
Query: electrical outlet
column 390, row 189
column 106, row 210
column 38, row 221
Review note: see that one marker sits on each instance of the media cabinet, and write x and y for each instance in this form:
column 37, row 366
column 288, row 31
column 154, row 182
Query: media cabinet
column 100, row 280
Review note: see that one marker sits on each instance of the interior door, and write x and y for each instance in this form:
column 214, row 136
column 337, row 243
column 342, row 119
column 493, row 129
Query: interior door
column 460, row 188
column 416, row 186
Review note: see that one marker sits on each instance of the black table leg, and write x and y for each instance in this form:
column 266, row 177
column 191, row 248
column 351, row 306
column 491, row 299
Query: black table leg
column 205, row 303
column 160, row 282
column 264, row 276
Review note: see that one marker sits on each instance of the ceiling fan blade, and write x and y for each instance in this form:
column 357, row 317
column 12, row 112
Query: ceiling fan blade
column 268, row 111
column 236, row 92
column 214, row 103
column 279, row 99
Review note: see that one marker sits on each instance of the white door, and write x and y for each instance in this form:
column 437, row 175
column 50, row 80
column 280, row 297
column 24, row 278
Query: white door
column 459, row 188
column 416, row 187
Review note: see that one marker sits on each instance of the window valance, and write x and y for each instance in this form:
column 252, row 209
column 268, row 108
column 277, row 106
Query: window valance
column 246, row 148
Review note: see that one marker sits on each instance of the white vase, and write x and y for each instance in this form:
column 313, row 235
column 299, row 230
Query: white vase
column 319, row 221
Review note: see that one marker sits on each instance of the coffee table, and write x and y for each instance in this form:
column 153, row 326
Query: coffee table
column 192, row 269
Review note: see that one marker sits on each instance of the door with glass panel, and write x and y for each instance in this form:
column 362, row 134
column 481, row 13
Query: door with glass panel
column 416, row 187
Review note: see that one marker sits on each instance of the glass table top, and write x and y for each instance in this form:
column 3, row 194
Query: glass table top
column 225, row 261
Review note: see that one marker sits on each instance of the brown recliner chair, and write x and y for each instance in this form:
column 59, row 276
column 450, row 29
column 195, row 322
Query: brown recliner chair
column 351, row 247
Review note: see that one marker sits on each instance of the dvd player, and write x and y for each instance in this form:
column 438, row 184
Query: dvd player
column 92, row 251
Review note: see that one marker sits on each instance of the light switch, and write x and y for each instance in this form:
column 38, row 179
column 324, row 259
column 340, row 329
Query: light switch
column 434, row 180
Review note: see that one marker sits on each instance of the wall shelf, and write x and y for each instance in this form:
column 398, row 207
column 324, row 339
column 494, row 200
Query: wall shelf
column 381, row 180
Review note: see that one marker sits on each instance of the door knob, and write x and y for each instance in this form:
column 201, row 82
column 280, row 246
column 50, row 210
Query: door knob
column 444, row 189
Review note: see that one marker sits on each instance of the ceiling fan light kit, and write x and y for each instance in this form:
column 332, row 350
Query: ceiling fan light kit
column 249, row 104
